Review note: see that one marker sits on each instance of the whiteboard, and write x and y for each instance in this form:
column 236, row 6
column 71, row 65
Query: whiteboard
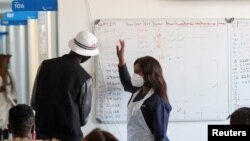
column 193, row 54
column 240, row 63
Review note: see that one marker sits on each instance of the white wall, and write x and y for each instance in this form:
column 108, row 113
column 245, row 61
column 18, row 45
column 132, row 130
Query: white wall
column 76, row 15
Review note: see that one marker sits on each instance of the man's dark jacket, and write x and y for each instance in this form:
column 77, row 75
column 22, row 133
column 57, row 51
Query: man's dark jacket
column 62, row 98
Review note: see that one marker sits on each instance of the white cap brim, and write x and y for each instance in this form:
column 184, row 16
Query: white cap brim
column 81, row 51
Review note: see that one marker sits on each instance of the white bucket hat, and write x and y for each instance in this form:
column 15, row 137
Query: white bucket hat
column 84, row 44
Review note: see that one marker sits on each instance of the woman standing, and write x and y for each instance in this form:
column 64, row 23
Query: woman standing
column 7, row 94
column 148, row 107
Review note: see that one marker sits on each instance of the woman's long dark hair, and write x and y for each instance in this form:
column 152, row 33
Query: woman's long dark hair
column 4, row 73
column 153, row 75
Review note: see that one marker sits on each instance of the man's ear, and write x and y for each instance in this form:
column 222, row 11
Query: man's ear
column 33, row 132
column 9, row 128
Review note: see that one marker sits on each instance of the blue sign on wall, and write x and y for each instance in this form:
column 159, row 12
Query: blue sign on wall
column 13, row 22
column 3, row 33
column 18, row 18
column 34, row 5
column 21, row 15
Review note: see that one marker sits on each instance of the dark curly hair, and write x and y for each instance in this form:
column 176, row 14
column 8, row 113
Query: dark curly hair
column 21, row 120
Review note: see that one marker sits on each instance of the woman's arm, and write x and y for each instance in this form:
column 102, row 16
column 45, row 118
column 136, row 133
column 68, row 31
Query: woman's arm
column 125, row 78
column 13, row 95
column 123, row 71
column 160, row 118
column 120, row 52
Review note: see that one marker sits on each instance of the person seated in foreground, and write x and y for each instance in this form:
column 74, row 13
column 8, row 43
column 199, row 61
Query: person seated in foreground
column 240, row 116
column 22, row 122
column 100, row 135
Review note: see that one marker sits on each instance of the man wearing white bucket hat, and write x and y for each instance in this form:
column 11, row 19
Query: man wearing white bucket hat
column 63, row 90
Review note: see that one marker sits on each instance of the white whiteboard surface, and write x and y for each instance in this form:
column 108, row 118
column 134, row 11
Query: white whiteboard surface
column 240, row 63
column 194, row 57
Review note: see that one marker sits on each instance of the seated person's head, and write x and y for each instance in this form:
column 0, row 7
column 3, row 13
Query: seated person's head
column 22, row 121
column 100, row 135
column 240, row 116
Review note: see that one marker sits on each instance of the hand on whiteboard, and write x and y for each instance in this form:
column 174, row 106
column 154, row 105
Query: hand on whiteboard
column 120, row 52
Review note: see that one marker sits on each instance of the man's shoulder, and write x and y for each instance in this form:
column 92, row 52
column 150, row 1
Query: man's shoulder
column 59, row 62
column 51, row 60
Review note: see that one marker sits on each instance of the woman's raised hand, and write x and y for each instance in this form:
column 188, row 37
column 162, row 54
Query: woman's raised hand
column 120, row 52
